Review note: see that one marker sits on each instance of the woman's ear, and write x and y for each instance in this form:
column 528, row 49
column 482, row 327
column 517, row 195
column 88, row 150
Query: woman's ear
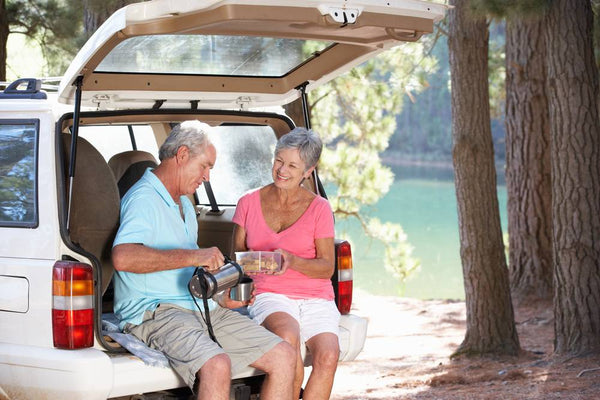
column 308, row 172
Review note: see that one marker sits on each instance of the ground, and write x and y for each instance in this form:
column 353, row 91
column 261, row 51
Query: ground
column 408, row 348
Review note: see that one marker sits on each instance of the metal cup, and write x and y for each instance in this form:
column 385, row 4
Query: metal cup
column 243, row 290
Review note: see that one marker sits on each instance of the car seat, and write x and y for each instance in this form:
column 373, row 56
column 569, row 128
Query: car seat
column 129, row 166
column 94, row 213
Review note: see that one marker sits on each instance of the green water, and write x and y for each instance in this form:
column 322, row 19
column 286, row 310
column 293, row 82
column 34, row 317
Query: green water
column 423, row 201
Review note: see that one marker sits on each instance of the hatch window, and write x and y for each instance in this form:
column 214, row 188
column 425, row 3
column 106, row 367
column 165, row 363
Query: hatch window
column 208, row 55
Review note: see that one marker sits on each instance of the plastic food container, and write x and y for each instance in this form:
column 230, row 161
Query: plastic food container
column 256, row 262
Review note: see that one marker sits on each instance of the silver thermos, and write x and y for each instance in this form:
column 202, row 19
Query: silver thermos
column 205, row 284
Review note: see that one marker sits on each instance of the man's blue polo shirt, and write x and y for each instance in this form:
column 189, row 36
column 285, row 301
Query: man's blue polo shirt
column 149, row 216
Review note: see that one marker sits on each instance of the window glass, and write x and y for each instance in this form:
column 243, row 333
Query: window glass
column 113, row 139
column 18, row 159
column 244, row 161
column 208, row 55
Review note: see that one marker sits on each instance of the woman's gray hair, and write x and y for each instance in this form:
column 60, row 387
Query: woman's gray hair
column 307, row 142
column 192, row 134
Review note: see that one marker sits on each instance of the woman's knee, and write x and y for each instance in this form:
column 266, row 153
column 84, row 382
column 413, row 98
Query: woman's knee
column 285, row 327
column 326, row 357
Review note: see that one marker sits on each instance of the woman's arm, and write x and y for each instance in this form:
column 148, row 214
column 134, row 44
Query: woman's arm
column 322, row 266
column 239, row 238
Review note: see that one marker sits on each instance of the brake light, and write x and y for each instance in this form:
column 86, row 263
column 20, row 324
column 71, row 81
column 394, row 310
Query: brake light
column 72, row 305
column 344, row 281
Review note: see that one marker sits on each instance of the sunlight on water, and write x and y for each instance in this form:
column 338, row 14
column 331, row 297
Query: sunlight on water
column 423, row 201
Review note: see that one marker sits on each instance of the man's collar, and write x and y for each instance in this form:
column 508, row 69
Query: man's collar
column 159, row 187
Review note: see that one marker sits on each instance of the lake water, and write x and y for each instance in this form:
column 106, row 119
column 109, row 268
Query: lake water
column 423, row 201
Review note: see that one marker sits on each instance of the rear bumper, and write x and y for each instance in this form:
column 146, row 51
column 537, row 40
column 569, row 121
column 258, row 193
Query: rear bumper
column 42, row 373
column 29, row 372
column 353, row 333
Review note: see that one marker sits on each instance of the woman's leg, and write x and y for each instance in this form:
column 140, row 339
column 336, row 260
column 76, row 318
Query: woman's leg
column 325, row 351
column 285, row 326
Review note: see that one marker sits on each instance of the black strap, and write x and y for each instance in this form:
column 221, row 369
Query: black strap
column 206, row 315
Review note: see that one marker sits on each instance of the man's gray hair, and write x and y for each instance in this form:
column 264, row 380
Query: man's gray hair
column 307, row 142
column 192, row 134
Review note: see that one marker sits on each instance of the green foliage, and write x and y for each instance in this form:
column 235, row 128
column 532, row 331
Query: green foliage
column 390, row 234
column 424, row 125
column 55, row 24
column 497, row 69
column 355, row 115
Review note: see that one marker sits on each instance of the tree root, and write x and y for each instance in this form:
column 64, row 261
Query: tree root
column 585, row 371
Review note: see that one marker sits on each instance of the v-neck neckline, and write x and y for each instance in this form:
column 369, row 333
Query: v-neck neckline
column 264, row 220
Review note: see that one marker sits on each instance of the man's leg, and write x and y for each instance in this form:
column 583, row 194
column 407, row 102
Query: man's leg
column 325, row 351
column 279, row 364
column 215, row 378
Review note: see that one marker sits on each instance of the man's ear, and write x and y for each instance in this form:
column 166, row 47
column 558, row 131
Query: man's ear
column 182, row 154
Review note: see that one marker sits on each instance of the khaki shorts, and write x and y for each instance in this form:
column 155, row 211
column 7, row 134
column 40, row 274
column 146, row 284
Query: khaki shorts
column 182, row 336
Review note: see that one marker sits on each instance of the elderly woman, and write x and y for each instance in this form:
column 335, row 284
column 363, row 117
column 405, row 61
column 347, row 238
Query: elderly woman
column 296, row 303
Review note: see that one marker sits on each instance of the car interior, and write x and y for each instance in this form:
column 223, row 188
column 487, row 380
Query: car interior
column 90, row 198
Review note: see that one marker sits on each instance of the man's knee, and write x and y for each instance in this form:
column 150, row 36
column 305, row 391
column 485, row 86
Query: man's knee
column 219, row 365
column 283, row 354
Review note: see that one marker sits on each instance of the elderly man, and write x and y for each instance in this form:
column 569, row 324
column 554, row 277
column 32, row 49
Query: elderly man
column 154, row 254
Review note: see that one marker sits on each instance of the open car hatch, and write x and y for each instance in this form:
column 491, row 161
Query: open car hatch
column 234, row 54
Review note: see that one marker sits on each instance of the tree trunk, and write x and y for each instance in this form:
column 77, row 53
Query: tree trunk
column 528, row 160
column 3, row 39
column 95, row 12
column 575, row 135
column 490, row 319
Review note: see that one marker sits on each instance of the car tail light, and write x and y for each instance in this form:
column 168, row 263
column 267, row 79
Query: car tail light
column 344, row 277
column 72, row 305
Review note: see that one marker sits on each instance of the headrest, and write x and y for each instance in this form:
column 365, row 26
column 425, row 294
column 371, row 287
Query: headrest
column 121, row 161
column 129, row 166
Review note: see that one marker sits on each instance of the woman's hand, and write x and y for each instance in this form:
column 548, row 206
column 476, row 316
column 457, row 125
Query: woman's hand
column 287, row 260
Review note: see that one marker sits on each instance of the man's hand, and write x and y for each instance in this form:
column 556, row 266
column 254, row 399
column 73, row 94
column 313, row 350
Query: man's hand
column 224, row 300
column 211, row 258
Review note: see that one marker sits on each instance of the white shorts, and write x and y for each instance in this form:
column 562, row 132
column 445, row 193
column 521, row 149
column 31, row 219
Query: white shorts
column 313, row 315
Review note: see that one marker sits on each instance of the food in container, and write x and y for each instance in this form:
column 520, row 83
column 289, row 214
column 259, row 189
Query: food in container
column 258, row 261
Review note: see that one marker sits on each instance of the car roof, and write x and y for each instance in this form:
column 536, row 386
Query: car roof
column 233, row 54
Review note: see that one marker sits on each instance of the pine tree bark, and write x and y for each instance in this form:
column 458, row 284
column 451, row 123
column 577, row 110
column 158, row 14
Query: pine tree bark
column 95, row 12
column 528, row 169
column 3, row 39
column 575, row 135
column 490, row 318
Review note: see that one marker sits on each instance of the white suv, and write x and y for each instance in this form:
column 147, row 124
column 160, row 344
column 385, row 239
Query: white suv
column 63, row 168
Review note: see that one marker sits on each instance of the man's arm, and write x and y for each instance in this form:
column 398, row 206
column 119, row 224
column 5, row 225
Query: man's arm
column 137, row 258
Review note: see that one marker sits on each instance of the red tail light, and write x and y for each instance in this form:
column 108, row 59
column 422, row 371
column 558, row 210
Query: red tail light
column 72, row 305
column 344, row 277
